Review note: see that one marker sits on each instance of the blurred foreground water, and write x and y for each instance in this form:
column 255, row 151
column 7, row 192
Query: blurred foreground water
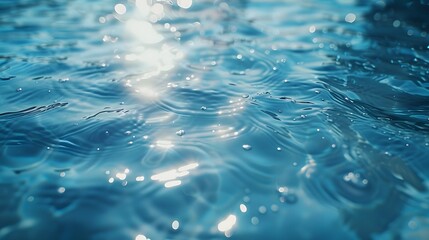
column 214, row 119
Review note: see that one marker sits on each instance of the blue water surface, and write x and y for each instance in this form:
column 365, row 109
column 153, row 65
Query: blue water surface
column 240, row 119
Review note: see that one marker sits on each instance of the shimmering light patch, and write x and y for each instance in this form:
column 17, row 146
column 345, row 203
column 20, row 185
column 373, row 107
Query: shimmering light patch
column 173, row 183
column 142, row 5
column 188, row 167
column 140, row 178
column 184, row 3
column 396, row 23
column 148, row 92
column 182, row 174
column 102, row 19
column 111, row 180
column 121, row 176
column 175, row 225
column 247, row 147
column 350, row 18
column 120, row 8
column 158, row 119
column 140, row 237
column 171, row 176
column 274, row 208
column 158, row 9
column 309, row 168
column 282, row 189
column 165, row 176
column 235, row 105
column 61, row 190
column 243, row 208
column 262, row 209
column 164, row 144
column 180, row 132
column 355, row 178
column 227, row 224
column 143, row 31
column 227, row 132
column 312, row 29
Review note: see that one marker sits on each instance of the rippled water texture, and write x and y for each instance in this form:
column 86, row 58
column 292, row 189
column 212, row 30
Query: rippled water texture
column 214, row 119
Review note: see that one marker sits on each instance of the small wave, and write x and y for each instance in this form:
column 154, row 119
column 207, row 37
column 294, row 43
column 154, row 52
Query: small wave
column 30, row 111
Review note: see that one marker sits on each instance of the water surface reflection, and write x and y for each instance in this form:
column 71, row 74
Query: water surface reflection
column 213, row 119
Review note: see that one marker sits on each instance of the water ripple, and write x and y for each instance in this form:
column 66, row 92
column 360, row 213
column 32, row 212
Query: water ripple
column 30, row 111
column 207, row 119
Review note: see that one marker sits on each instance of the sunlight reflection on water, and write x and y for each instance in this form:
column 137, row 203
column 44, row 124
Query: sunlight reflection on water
column 242, row 119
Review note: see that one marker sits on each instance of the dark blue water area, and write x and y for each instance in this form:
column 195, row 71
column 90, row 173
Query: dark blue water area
column 240, row 119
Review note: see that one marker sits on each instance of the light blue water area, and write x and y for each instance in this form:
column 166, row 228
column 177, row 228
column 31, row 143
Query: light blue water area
column 214, row 119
